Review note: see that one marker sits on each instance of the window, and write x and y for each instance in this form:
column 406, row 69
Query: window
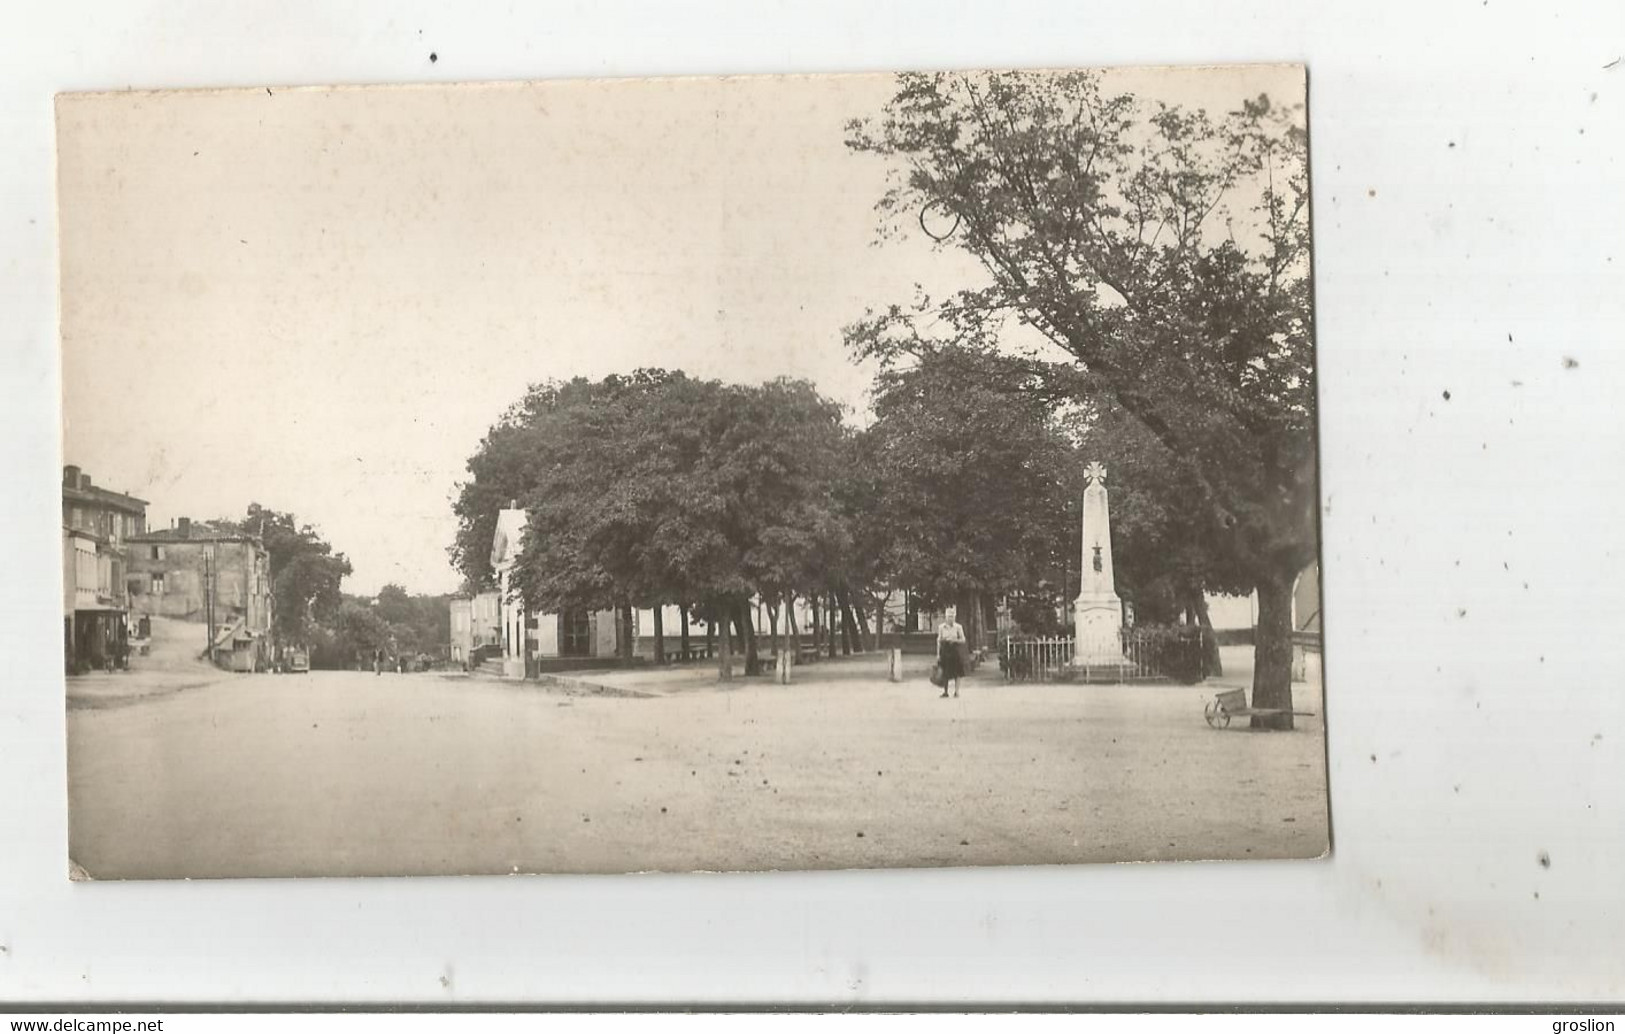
column 157, row 552
column 575, row 633
column 156, row 587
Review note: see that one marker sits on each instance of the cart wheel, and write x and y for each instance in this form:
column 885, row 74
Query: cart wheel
column 1216, row 716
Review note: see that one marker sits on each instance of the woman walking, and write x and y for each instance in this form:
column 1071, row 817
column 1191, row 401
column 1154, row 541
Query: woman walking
column 950, row 659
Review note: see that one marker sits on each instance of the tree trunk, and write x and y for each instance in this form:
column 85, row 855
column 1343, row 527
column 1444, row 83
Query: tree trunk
column 1272, row 651
column 829, row 625
column 877, row 607
column 627, row 648
column 792, row 629
column 865, row 640
column 747, row 635
column 849, row 628
column 773, row 627
column 660, row 634
column 719, row 628
column 817, row 627
column 1213, row 667
column 682, row 612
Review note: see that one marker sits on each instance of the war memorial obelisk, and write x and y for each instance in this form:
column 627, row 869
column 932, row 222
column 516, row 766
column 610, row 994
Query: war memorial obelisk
column 1097, row 613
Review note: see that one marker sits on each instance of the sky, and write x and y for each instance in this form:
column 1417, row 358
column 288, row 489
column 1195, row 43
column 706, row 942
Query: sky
column 319, row 300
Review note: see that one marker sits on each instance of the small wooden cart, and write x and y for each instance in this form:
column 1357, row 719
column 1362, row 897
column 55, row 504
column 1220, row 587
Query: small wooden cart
column 1232, row 703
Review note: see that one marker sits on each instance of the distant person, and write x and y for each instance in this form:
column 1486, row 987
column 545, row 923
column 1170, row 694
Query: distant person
column 377, row 662
column 950, row 644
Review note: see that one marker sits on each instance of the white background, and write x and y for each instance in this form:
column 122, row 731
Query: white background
column 1472, row 548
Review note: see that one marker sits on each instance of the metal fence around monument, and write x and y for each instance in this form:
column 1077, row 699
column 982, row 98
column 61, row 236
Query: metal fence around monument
column 1038, row 659
column 1143, row 653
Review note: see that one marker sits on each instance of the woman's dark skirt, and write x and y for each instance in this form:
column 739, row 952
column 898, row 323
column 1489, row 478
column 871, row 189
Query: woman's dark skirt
column 948, row 657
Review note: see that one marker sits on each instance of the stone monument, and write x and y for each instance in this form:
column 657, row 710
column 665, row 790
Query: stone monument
column 1097, row 613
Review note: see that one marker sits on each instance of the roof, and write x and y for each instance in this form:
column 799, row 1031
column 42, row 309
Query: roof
column 105, row 497
column 198, row 532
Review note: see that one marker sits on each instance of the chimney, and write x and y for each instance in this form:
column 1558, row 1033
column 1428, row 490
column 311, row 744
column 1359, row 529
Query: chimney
column 84, row 480
column 186, row 527
column 70, row 476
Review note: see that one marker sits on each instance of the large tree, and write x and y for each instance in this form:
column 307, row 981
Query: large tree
column 357, row 631
column 427, row 617
column 306, row 574
column 972, row 499
column 1165, row 253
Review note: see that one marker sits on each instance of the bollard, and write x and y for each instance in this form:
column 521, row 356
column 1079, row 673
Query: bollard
column 894, row 672
column 781, row 673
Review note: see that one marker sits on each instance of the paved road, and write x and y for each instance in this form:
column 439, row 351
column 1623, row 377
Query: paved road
column 348, row 773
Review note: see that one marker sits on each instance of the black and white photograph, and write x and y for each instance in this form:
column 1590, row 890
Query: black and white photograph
column 691, row 474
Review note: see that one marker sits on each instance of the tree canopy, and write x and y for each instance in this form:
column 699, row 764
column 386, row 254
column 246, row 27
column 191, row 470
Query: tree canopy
column 658, row 487
column 974, row 476
column 306, row 574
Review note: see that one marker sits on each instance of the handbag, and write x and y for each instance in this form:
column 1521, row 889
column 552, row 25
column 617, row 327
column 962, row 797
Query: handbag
column 936, row 676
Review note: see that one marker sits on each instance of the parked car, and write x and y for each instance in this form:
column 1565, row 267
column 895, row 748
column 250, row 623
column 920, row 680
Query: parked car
column 297, row 661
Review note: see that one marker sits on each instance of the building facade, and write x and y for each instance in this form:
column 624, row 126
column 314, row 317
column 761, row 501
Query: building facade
column 218, row 577
column 476, row 624
column 97, row 525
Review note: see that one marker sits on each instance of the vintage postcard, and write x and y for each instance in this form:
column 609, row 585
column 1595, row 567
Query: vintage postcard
column 690, row 475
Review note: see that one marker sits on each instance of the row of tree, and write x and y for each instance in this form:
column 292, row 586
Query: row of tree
column 657, row 488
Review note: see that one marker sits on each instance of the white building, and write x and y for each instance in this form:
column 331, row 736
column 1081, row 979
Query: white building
column 527, row 636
